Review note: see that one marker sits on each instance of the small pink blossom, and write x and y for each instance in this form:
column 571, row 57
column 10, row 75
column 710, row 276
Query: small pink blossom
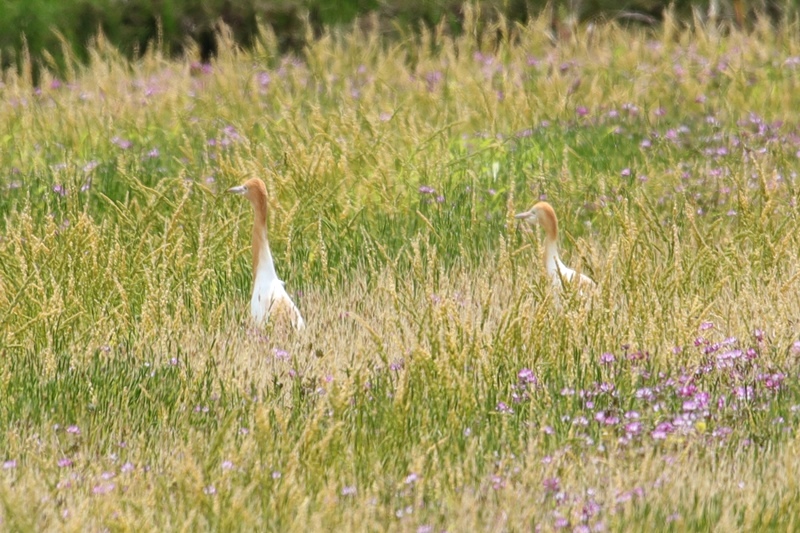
column 103, row 488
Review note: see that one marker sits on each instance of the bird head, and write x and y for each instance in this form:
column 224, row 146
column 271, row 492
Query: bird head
column 541, row 214
column 252, row 189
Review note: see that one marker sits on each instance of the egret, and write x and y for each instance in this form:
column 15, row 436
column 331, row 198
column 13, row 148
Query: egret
column 269, row 293
column 543, row 214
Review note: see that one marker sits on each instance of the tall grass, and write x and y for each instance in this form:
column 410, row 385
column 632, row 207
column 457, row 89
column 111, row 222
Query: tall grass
column 437, row 386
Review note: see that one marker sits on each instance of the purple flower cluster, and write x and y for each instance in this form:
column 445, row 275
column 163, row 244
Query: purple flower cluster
column 430, row 192
column 227, row 137
column 705, row 401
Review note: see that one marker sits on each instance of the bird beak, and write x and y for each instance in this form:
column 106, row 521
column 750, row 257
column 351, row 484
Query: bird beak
column 239, row 189
column 524, row 214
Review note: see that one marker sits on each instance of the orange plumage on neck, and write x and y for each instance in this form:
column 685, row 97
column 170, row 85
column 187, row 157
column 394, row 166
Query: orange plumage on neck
column 268, row 290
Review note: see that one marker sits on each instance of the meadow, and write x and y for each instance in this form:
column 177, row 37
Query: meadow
column 437, row 386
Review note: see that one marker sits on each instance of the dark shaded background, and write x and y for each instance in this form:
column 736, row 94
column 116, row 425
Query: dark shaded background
column 65, row 27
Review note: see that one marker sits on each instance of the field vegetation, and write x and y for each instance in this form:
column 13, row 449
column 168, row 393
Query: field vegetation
column 436, row 386
column 55, row 33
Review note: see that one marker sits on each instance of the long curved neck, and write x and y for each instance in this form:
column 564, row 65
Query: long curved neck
column 551, row 258
column 263, row 265
column 550, row 225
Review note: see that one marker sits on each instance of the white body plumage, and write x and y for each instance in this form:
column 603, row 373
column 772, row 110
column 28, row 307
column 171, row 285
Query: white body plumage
column 560, row 274
column 269, row 293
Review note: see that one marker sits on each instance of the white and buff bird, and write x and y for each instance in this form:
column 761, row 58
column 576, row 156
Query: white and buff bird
column 269, row 294
column 543, row 214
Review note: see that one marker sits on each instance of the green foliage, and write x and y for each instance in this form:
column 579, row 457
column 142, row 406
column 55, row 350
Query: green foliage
column 57, row 34
column 439, row 384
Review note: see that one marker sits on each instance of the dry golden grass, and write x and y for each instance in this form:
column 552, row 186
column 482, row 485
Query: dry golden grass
column 436, row 386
